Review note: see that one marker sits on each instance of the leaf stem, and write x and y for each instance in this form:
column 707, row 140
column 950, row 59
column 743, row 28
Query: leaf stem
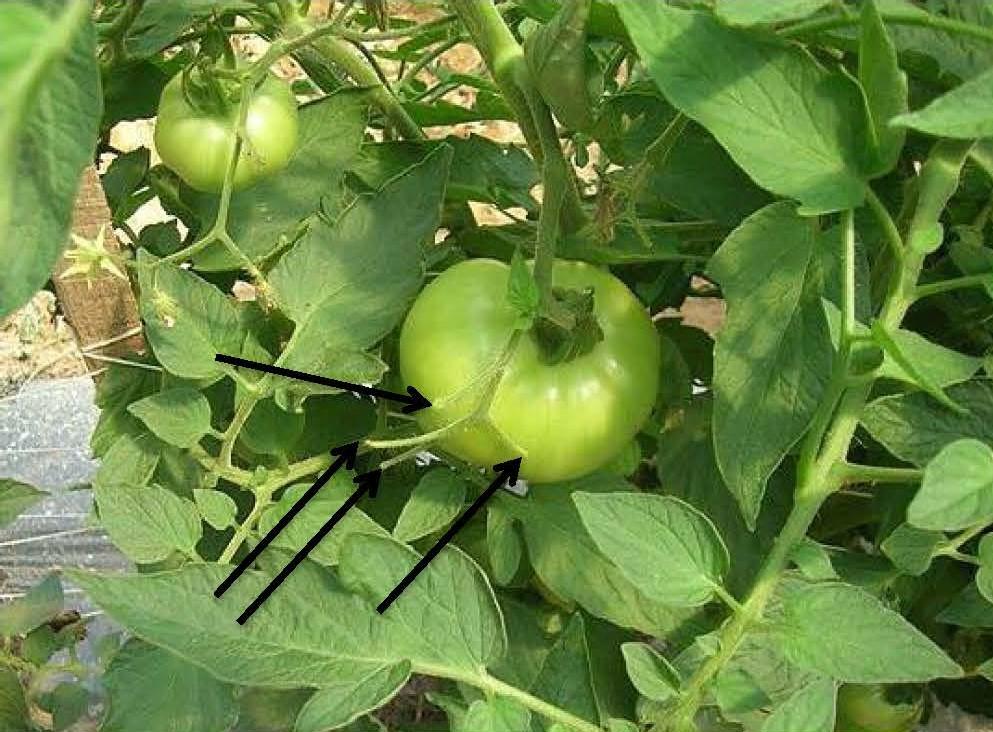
column 880, row 474
column 920, row 19
column 890, row 230
column 262, row 501
column 936, row 288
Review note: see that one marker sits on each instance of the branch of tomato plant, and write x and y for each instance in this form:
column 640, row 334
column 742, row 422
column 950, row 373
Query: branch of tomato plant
column 116, row 31
column 322, row 38
column 984, row 279
column 505, row 59
column 822, row 467
column 917, row 18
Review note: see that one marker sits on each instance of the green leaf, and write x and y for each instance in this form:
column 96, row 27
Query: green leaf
column 148, row 524
column 448, row 616
column 961, row 113
column 48, row 131
column 869, row 642
column 652, row 675
column 264, row 217
column 813, row 560
column 773, row 357
column 687, row 469
column 272, row 430
column 905, row 364
column 346, row 285
column 957, row 490
column 984, row 577
column 915, row 428
column 911, row 549
column 130, row 461
column 753, row 12
column 568, row 562
column 313, row 516
column 218, row 509
column 885, row 87
column 153, row 690
column 663, row 544
column 503, row 543
column 556, row 54
column 437, row 499
column 811, row 709
column 522, row 291
column 933, row 364
column 180, row 416
column 968, row 609
column 341, row 703
column 41, row 603
column 312, row 632
column 497, row 714
column 187, row 320
column 795, row 128
column 161, row 22
column 566, row 677
column 481, row 169
column 13, row 707
column 123, row 177
column 16, row 498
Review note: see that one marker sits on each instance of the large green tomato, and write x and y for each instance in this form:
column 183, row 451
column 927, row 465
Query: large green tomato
column 195, row 143
column 877, row 708
column 570, row 417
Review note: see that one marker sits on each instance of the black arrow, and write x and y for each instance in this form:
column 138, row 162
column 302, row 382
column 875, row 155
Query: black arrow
column 506, row 473
column 413, row 398
column 368, row 482
column 346, row 457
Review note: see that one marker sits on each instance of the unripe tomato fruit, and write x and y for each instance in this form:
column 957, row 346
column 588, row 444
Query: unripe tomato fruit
column 195, row 143
column 570, row 417
column 878, row 708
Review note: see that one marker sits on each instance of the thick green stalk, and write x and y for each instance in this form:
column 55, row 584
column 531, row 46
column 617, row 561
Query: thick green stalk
column 505, row 59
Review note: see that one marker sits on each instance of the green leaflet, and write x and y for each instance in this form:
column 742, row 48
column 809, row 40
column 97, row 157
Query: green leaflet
column 957, row 490
column 41, row 603
column 652, row 675
column 811, row 709
column 885, row 87
column 662, row 544
column 346, row 285
column 794, row 127
column 312, row 631
column 49, row 74
column 153, row 690
column 187, row 320
column 753, row 12
column 437, row 499
column 16, row 498
column 915, row 428
column 341, row 703
column 313, row 516
column 180, row 416
column 13, row 707
column 963, row 113
column 218, row 509
column 148, row 524
column 773, row 357
column 869, row 642
column 569, row 563
column 557, row 56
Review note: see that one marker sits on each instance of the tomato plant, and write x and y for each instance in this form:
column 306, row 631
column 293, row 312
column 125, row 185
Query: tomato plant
column 713, row 280
column 196, row 142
